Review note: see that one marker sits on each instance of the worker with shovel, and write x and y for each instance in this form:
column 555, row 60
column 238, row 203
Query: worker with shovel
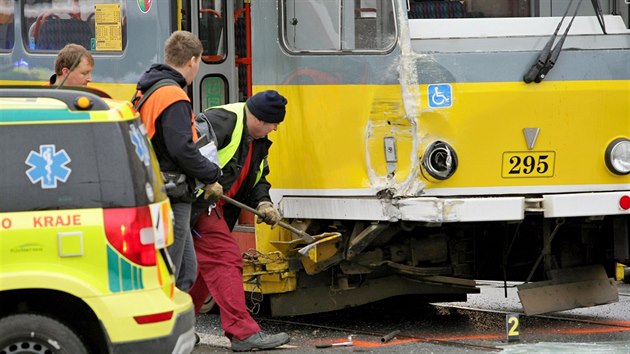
column 241, row 138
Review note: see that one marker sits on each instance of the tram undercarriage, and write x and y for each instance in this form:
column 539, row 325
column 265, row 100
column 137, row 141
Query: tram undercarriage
column 563, row 263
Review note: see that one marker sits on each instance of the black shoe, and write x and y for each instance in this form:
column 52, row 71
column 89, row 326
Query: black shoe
column 197, row 339
column 260, row 340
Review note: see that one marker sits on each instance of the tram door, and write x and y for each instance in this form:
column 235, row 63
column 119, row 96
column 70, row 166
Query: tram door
column 225, row 72
column 220, row 25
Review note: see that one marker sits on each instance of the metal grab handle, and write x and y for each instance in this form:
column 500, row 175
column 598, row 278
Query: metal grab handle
column 303, row 235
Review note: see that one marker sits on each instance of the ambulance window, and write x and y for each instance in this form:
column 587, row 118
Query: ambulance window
column 213, row 92
column 97, row 165
column 7, row 25
column 98, row 25
column 212, row 24
column 339, row 25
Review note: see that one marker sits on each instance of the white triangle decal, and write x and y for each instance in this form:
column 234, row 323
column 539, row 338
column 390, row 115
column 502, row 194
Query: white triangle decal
column 531, row 134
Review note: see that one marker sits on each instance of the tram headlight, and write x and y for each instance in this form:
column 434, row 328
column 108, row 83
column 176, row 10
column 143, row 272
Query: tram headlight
column 618, row 156
column 440, row 160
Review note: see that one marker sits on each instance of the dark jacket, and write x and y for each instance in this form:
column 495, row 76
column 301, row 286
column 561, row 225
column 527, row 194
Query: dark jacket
column 250, row 192
column 173, row 139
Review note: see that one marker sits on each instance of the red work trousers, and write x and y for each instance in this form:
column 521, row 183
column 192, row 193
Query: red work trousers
column 220, row 273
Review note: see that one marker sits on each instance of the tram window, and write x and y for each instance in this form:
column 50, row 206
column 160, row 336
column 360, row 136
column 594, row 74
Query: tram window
column 436, row 9
column 98, row 25
column 419, row 9
column 7, row 30
column 506, row 27
column 468, row 8
column 213, row 92
column 212, row 32
column 338, row 25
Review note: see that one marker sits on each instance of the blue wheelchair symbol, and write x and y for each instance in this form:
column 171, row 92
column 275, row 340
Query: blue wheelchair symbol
column 440, row 96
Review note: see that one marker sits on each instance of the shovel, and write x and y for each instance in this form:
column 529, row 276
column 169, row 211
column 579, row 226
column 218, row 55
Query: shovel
column 303, row 235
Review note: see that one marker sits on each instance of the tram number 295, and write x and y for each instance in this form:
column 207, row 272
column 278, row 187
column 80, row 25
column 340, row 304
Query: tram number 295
column 518, row 164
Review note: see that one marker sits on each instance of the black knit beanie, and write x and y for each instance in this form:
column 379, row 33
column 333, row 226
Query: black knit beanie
column 268, row 106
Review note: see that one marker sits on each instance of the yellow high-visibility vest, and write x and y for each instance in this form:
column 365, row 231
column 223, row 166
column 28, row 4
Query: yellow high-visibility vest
column 226, row 153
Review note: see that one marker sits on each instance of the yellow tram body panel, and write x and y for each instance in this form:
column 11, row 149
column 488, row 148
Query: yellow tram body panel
column 486, row 119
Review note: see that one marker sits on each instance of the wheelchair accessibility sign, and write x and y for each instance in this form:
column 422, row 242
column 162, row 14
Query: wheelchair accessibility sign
column 440, row 95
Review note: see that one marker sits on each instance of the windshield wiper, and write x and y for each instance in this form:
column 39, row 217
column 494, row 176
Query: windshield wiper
column 600, row 16
column 548, row 57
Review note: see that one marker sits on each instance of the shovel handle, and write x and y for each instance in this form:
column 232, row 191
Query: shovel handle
column 303, row 235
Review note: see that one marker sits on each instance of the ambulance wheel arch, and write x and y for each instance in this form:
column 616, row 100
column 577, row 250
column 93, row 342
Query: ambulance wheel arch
column 72, row 313
column 38, row 334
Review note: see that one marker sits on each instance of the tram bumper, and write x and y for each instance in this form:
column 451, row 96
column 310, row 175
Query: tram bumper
column 585, row 204
column 455, row 209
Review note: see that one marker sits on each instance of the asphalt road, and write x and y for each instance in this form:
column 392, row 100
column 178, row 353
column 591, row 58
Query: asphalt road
column 479, row 325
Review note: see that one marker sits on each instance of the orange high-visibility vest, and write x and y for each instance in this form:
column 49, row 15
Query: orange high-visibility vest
column 159, row 100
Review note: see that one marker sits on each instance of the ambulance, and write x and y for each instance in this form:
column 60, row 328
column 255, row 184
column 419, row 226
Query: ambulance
column 84, row 226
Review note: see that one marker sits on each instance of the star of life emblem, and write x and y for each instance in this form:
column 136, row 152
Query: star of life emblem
column 48, row 166
column 140, row 143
